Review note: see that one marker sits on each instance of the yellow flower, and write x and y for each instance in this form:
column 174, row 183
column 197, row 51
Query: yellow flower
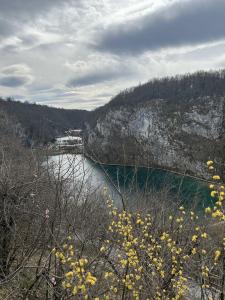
column 102, row 249
column 83, row 261
column 209, row 162
column 217, row 254
column 216, row 177
column 123, row 262
column 69, row 274
column 162, row 273
column 213, row 193
column 74, row 291
column 139, row 221
column 193, row 251
column 208, row 210
column 91, row 279
column 138, row 277
column 194, row 238
column 211, row 186
column 83, row 288
column 108, row 274
column 204, row 235
column 217, row 213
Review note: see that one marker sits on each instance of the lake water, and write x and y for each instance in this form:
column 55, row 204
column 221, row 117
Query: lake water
column 129, row 180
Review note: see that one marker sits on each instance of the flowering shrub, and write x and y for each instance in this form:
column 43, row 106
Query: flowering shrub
column 77, row 278
column 217, row 192
column 144, row 257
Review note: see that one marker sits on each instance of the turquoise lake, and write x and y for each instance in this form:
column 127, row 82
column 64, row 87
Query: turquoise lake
column 131, row 181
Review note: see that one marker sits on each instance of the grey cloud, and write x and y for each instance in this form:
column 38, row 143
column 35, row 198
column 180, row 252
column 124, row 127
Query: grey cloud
column 14, row 81
column 6, row 28
column 15, row 13
column 183, row 23
column 15, row 75
column 12, row 49
column 29, row 40
column 15, row 69
column 40, row 87
column 97, row 77
column 28, row 8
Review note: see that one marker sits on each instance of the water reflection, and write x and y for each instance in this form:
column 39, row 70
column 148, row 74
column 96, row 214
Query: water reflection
column 130, row 181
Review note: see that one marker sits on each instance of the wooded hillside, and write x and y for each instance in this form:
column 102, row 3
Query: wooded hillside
column 42, row 123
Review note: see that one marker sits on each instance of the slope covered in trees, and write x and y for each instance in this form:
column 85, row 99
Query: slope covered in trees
column 176, row 89
column 174, row 123
column 42, row 123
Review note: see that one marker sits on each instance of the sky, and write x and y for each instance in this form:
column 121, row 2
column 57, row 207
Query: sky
column 80, row 53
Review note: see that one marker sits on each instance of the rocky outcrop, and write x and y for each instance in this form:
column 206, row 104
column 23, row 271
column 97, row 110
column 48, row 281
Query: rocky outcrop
column 179, row 135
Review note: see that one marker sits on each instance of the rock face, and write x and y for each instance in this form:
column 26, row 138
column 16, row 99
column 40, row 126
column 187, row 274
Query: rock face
column 179, row 136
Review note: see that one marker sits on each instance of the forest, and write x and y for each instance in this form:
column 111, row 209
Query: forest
column 176, row 89
column 40, row 124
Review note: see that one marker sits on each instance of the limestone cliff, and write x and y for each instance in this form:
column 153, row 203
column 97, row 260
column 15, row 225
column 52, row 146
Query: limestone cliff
column 176, row 135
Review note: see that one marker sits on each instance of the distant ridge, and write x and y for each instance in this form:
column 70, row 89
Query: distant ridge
column 42, row 123
column 176, row 89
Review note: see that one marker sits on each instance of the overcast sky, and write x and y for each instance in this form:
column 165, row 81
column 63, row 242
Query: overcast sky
column 80, row 53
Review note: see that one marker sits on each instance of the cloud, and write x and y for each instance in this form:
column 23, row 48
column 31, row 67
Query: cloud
column 15, row 76
column 18, row 15
column 15, row 69
column 100, row 68
column 71, row 52
column 95, row 78
column 15, row 15
column 180, row 24
column 6, row 28
column 27, row 8
column 13, row 81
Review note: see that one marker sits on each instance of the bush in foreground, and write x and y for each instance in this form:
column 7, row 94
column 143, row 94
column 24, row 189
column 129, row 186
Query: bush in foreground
column 147, row 257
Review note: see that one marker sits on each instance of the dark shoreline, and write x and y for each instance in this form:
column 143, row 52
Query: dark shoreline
column 149, row 167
